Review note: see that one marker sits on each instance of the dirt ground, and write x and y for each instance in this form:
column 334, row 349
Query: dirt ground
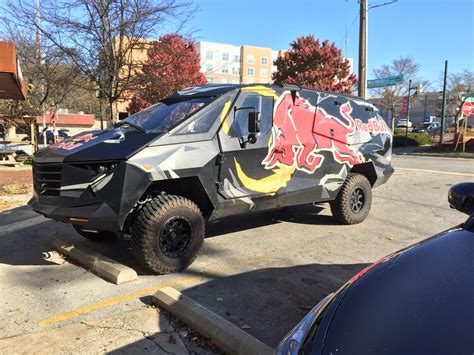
column 16, row 187
column 20, row 175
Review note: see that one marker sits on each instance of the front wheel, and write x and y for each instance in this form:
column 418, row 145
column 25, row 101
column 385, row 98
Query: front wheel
column 167, row 233
column 353, row 202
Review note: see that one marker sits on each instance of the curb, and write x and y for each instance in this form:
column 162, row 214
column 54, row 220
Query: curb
column 99, row 264
column 225, row 335
column 434, row 155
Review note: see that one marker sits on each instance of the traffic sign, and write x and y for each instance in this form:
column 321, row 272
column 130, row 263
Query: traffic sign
column 468, row 97
column 384, row 82
column 468, row 108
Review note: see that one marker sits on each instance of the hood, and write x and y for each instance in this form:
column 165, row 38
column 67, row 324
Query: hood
column 401, row 303
column 115, row 144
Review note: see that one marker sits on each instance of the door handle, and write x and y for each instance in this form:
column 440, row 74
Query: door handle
column 331, row 131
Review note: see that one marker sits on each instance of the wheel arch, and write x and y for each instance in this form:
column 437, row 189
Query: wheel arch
column 368, row 170
column 188, row 187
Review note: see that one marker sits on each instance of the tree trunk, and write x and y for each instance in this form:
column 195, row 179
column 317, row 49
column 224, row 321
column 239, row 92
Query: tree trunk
column 111, row 108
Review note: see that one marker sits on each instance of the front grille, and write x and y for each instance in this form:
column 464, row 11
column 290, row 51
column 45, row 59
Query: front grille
column 47, row 178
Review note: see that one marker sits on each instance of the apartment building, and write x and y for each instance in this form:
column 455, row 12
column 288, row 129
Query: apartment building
column 220, row 63
column 256, row 65
column 226, row 63
column 137, row 56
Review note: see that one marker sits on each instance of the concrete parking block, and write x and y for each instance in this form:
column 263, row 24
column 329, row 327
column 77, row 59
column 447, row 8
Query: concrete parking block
column 99, row 264
column 225, row 335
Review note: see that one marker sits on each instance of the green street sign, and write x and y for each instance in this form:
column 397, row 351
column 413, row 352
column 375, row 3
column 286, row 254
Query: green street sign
column 383, row 82
column 468, row 97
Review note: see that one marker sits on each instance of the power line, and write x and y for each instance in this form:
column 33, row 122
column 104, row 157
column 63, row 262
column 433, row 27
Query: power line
column 379, row 5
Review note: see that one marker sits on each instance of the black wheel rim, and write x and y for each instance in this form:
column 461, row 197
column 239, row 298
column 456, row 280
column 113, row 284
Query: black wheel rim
column 357, row 200
column 175, row 237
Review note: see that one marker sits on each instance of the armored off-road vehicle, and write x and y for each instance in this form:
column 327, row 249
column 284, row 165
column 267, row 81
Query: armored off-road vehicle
column 213, row 151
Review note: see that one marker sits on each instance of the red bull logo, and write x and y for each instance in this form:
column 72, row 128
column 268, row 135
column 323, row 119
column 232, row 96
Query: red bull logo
column 301, row 132
column 76, row 141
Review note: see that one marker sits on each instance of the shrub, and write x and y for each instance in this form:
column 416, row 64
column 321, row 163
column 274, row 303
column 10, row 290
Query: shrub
column 414, row 139
column 399, row 132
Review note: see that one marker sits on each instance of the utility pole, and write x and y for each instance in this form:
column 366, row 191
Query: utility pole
column 38, row 58
column 408, row 113
column 362, row 79
column 443, row 105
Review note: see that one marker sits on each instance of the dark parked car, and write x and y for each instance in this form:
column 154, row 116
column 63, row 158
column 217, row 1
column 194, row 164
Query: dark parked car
column 62, row 135
column 427, row 128
column 419, row 300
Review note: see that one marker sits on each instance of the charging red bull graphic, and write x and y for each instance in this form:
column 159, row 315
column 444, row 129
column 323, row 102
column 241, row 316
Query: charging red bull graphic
column 76, row 142
column 301, row 132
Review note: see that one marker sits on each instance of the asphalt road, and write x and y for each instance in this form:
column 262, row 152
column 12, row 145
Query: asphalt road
column 262, row 272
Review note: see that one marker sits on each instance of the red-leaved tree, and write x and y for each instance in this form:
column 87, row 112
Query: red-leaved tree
column 172, row 65
column 314, row 64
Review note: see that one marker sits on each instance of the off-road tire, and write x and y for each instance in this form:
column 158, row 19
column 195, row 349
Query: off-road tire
column 341, row 207
column 96, row 237
column 150, row 223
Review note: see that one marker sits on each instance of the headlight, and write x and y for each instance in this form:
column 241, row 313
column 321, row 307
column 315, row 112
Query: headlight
column 292, row 343
column 99, row 168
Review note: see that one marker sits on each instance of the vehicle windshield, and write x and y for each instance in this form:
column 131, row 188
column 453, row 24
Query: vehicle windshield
column 164, row 116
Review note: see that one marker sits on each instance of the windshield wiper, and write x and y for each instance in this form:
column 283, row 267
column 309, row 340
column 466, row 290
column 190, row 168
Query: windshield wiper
column 137, row 127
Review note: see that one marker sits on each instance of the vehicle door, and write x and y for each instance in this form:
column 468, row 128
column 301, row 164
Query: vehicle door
column 244, row 140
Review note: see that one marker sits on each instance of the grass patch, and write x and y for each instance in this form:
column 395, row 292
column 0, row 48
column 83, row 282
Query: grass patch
column 413, row 140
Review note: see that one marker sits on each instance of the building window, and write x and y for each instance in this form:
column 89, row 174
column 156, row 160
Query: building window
column 249, row 81
column 225, row 70
column 237, row 58
column 236, row 70
column 209, row 67
column 263, row 72
column 224, row 81
column 250, row 59
column 264, row 60
column 250, row 71
column 210, row 79
column 225, row 56
column 209, row 55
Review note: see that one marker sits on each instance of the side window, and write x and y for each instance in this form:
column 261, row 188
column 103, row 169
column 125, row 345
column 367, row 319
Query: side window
column 203, row 121
column 261, row 104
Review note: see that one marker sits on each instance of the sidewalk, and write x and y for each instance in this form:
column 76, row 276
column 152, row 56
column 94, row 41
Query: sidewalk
column 428, row 151
column 146, row 330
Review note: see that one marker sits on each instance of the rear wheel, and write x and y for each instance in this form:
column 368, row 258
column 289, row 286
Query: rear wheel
column 353, row 202
column 167, row 233
column 95, row 236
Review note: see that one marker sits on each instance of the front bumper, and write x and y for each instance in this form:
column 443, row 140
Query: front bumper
column 102, row 205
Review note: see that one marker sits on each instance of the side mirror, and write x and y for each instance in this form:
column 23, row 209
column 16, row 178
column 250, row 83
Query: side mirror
column 253, row 126
column 461, row 197
column 254, row 122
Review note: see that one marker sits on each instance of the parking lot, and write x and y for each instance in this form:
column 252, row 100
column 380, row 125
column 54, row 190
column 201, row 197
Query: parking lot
column 261, row 272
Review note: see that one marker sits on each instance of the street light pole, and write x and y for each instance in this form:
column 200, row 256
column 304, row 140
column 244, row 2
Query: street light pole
column 362, row 79
column 408, row 113
column 443, row 105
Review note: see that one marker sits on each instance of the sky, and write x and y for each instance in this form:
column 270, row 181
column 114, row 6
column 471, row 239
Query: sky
column 430, row 31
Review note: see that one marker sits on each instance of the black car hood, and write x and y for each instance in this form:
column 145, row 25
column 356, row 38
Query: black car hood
column 417, row 301
column 115, row 144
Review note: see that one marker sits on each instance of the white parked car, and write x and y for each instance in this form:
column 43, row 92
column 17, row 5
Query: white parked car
column 402, row 123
